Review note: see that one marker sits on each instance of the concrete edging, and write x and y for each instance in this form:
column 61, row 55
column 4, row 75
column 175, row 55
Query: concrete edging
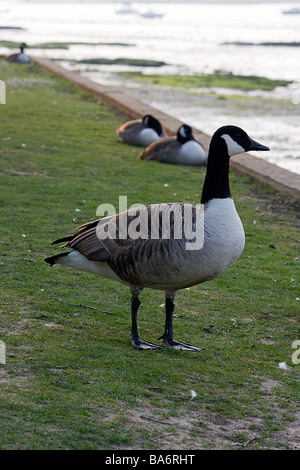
column 281, row 180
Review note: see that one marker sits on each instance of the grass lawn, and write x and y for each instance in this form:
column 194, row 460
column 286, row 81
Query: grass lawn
column 71, row 379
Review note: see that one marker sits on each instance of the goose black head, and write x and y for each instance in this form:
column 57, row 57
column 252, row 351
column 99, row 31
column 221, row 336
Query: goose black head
column 226, row 142
column 153, row 123
column 22, row 46
column 236, row 140
column 184, row 134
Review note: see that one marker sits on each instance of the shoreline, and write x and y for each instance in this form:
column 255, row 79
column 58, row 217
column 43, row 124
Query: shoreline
column 278, row 178
column 271, row 114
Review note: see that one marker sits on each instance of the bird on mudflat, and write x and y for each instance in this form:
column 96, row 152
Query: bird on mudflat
column 141, row 132
column 134, row 250
column 181, row 149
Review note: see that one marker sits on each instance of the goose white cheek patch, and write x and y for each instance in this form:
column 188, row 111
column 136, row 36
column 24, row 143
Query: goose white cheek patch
column 182, row 132
column 233, row 147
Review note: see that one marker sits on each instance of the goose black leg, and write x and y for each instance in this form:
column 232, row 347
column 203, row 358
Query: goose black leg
column 136, row 341
column 167, row 337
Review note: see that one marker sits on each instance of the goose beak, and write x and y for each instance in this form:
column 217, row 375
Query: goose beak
column 257, row 146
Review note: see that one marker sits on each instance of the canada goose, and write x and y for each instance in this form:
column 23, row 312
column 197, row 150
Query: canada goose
column 182, row 149
column 141, row 132
column 20, row 57
column 162, row 262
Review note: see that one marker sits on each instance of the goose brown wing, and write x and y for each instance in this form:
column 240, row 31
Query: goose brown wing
column 156, row 150
column 89, row 244
column 100, row 239
column 135, row 125
column 132, row 242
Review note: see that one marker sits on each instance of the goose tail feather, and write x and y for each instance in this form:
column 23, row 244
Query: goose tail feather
column 62, row 240
column 55, row 259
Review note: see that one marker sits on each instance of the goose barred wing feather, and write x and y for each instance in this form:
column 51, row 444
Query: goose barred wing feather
column 140, row 246
column 135, row 125
column 130, row 131
column 157, row 150
column 88, row 243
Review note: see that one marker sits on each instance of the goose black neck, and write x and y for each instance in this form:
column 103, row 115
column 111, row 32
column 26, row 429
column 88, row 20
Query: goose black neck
column 216, row 183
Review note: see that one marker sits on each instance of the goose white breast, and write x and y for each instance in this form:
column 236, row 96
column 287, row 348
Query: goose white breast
column 192, row 153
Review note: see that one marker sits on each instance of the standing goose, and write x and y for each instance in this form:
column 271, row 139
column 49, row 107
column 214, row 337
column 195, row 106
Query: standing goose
column 162, row 262
column 141, row 132
column 20, row 57
column 182, row 149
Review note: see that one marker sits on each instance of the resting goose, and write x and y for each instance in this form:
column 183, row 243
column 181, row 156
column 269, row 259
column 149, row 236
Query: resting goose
column 141, row 132
column 182, row 149
column 20, row 57
column 142, row 259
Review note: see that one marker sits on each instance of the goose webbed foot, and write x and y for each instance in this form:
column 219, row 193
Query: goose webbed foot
column 170, row 343
column 140, row 343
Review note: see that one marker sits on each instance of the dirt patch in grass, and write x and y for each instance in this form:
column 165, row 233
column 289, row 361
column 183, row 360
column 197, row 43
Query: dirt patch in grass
column 201, row 429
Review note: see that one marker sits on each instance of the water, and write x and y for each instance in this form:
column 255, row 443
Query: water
column 189, row 37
